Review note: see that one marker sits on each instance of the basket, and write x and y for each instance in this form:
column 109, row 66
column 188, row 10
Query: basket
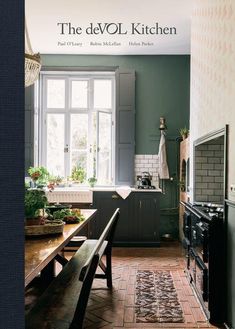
column 46, row 229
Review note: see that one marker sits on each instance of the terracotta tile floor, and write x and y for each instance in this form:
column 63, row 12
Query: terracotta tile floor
column 115, row 309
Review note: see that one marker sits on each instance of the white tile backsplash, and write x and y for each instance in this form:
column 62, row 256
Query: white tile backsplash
column 150, row 163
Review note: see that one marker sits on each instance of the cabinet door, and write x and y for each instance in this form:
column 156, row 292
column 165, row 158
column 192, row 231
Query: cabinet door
column 105, row 204
column 147, row 217
column 125, row 231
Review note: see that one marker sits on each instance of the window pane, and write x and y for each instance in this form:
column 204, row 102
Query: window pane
column 104, row 154
column 102, row 94
column 79, row 159
column 55, row 93
column 79, row 94
column 55, row 144
column 94, row 145
column 79, row 131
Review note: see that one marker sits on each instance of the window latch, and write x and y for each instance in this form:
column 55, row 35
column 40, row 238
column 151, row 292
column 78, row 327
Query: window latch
column 66, row 149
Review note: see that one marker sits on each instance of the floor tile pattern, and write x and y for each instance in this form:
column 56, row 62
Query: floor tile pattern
column 116, row 309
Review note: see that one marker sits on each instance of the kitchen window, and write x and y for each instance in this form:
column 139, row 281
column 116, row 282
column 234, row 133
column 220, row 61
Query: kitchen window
column 76, row 124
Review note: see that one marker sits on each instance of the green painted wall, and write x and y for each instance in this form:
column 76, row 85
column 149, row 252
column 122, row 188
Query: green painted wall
column 162, row 89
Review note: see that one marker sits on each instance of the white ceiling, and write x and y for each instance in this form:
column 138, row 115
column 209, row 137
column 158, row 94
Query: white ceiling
column 42, row 18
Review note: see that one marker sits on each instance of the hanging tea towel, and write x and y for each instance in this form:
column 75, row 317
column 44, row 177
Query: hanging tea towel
column 163, row 167
column 123, row 191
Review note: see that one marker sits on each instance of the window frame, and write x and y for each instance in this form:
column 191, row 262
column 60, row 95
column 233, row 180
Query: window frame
column 68, row 76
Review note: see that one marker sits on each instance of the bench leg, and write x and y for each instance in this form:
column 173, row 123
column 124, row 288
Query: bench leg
column 109, row 268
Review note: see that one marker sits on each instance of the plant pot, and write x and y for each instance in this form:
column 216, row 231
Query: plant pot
column 34, row 221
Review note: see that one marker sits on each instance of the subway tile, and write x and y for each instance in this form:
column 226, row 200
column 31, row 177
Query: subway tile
column 202, row 198
column 219, row 192
column 198, row 153
column 202, row 147
column 198, row 179
column 218, row 166
column 213, row 172
column 208, row 153
column 214, row 186
column 219, row 154
column 202, row 185
column 201, row 159
column 155, row 156
column 198, row 166
column 214, row 160
column 208, row 166
column 219, row 179
column 201, row 172
column 144, row 161
column 148, row 156
column 215, row 147
column 208, row 179
column 216, row 198
column 198, row 191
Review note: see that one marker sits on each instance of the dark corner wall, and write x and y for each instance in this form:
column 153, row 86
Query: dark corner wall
column 162, row 89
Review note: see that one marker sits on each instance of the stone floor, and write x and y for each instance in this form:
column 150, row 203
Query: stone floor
column 115, row 309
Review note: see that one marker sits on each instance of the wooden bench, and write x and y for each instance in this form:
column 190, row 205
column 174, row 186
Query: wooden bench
column 63, row 304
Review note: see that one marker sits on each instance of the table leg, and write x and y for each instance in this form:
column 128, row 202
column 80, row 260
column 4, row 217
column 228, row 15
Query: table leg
column 48, row 273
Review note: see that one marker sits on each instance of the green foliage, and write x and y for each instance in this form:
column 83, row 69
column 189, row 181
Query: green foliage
column 92, row 181
column 78, row 174
column 55, row 179
column 39, row 174
column 34, row 200
column 184, row 132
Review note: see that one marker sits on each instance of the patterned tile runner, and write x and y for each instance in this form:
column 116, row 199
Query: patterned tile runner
column 156, row 299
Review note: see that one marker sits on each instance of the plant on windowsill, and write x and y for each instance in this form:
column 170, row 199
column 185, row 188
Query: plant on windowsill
column 35, row 202
column 184, row 132
column 92, row 181
column 39, row 175
column 54, row 181
column 78, row 174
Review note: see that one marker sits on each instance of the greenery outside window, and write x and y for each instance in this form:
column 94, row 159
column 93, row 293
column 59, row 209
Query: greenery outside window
column 76, row 124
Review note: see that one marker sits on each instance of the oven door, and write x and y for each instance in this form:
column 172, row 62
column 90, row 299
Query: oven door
column 201, row 279
column 186, row 225
column 192, row 266
column 186, row 245
column 202, row 241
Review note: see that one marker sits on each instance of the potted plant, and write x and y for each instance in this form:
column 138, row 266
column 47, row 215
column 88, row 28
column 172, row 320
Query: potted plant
column 39, row 175
column 184, row 132
column 92, row 181
column 78, row 174
column 35, row 200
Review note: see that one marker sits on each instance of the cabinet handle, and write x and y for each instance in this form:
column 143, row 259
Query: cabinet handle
column 140, row 204
column 115, row 196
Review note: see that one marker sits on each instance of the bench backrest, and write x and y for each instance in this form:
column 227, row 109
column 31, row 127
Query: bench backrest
column 107, row 235
column 88, row 270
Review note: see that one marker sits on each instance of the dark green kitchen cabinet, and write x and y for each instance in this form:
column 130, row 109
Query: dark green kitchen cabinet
column 106, row 203
column 139, row 220
column 147, row 217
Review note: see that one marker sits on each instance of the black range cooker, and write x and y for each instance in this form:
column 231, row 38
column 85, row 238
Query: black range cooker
column 204, row 241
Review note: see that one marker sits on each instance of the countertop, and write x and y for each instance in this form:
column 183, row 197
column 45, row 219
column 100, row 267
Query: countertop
column 100, row 188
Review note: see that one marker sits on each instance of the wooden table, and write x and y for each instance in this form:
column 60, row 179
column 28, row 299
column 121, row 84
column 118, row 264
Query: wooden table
column 39, row 252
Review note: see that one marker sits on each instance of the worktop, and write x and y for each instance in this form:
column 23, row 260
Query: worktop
column 84, row 194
